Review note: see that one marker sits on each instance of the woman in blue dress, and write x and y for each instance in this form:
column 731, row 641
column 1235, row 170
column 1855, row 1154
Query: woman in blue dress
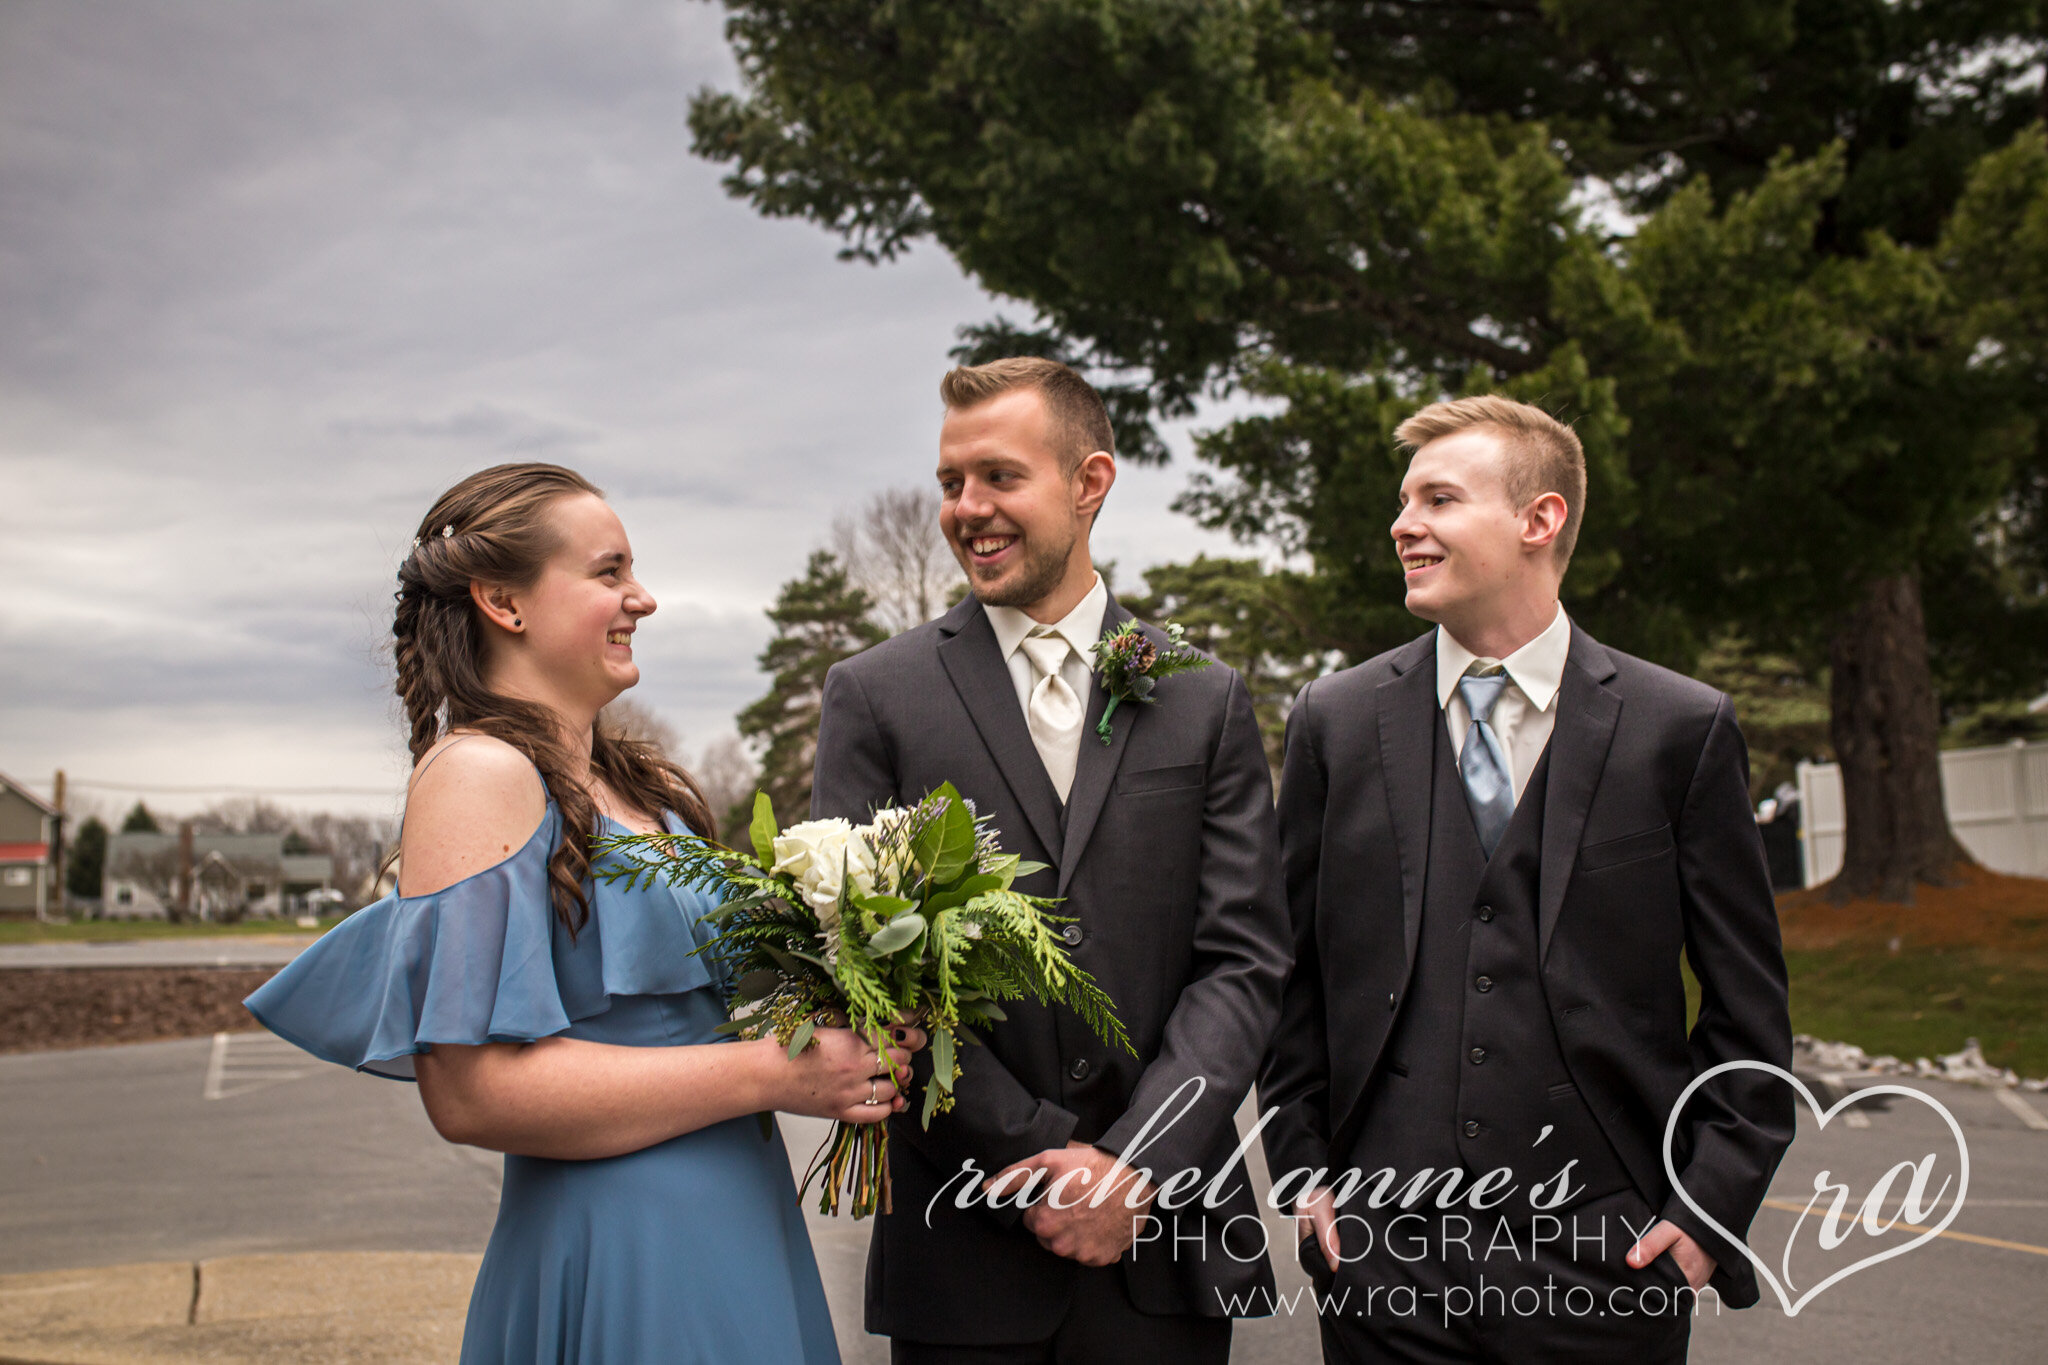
column 646, row 1215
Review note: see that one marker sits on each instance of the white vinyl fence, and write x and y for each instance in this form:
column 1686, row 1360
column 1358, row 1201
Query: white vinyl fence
column 1997, row 801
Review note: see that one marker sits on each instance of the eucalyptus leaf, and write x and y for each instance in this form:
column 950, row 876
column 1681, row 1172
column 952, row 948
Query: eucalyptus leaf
column 756, row 984
column 942, row 1059
column 897, row 934
column 802, row 1039
column 764, row 829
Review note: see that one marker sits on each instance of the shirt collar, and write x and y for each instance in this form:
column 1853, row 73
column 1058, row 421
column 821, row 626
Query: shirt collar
column 1081, row 627
column 1537, row 668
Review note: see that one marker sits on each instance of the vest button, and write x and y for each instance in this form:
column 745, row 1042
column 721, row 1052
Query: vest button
column 1071, row 935
column 1486, row 914
column 1484, row 983
column 1079, row 1070
column 1393, row 999
column 1478, row 1055
column 1471, row 1128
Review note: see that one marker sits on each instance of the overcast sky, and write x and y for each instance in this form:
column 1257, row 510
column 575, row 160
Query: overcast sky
column 273, row 275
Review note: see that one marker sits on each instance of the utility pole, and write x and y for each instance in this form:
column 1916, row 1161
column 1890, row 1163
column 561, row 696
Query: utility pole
column 58, row 851
column 184, row 870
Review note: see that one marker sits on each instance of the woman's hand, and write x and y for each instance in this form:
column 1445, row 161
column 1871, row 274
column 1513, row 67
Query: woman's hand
column 842, row 1075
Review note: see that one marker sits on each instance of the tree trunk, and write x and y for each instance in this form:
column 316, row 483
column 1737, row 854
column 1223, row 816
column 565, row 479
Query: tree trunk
column 1887, row 736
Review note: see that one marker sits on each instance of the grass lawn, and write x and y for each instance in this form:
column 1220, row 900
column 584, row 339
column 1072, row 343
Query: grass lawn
column 108, row 931
column 1924, row 1003
column 1967, row 961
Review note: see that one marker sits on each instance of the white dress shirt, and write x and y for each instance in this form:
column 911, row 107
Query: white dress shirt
column 1527, row 710
column 1081, row 628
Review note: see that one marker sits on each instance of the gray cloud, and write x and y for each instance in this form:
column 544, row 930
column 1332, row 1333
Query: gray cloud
column 274, row 274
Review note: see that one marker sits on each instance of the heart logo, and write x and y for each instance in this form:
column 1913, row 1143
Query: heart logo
column 1791, row 1305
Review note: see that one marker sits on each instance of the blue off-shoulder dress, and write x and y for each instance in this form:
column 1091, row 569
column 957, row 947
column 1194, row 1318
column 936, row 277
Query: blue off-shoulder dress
column 690, row 1250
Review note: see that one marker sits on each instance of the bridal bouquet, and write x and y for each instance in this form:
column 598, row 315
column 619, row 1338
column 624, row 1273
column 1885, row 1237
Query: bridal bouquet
column 911, row 915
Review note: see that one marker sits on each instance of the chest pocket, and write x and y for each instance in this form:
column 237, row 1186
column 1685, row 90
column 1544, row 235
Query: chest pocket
column 1627, row 849
column 1176, row 778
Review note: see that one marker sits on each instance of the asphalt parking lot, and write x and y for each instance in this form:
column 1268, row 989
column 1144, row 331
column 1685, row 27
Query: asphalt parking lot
column 242, row 1145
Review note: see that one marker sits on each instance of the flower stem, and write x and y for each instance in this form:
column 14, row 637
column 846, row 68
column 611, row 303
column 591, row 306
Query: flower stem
column 1108, row 710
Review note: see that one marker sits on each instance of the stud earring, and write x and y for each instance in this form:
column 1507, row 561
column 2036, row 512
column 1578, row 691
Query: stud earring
column 515, row 622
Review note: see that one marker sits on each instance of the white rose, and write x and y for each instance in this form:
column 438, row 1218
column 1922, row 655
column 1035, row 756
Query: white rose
column 822, row 855
column 799, row 846
column 814, row 852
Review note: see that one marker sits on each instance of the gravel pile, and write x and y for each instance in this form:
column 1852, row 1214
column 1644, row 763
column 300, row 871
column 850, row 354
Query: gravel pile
column 1967, row 1066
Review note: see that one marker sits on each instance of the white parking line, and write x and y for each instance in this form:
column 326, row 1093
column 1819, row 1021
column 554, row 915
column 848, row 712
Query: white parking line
column 2024, row 1112
column 241, row 1062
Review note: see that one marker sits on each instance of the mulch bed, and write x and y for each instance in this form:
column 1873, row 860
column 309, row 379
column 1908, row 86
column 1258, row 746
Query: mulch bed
column 43, row 1008
column 1985, row 910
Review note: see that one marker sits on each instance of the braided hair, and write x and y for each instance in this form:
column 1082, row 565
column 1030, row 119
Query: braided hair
column 494, row 528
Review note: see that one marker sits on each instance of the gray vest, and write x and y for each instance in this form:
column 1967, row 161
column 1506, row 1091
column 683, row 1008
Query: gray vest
column 1472, row 1073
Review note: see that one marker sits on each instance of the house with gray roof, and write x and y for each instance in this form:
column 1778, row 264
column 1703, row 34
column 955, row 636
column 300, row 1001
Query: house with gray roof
column 232, row 876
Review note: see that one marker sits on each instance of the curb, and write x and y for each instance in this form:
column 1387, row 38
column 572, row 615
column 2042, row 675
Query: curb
column 377, row 1307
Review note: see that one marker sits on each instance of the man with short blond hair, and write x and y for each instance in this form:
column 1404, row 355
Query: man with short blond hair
column 1539, row 454
column 1497, row 841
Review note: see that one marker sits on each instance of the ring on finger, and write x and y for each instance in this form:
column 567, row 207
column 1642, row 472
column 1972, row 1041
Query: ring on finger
column 873, row 1084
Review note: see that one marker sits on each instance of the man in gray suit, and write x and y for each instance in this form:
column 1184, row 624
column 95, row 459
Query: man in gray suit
column 1498, row 839
column 1162, row 844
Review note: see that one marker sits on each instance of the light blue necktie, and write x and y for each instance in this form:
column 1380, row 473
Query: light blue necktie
column 1489, row 786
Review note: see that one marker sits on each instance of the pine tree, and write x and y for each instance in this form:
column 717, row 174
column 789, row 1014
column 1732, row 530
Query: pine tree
column 86, row 860
column 1265, row 624
column 140, row 821
column 1803, row 343
column 819, row 619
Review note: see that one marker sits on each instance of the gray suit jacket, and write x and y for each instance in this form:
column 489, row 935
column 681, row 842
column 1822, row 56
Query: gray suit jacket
column 1168, row 854
column 1649, row 848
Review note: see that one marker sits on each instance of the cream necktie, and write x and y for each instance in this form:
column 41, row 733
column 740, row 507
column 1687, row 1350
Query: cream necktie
column 1054, row 713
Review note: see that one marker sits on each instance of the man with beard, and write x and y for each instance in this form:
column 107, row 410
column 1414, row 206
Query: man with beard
column 1161, row 843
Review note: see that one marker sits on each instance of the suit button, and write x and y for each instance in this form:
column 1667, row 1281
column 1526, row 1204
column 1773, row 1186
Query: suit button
column 1072, row 935
column 1079, row 1070
column 1478, row 1055
column 1484, row 983
column 1486, row 914
column 1393, row 1000
column 1471, row 1128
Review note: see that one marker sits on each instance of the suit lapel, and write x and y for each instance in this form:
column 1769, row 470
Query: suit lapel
column 982, row 679
column 1095, row 767
column 1587, row 714
column 1408, row 717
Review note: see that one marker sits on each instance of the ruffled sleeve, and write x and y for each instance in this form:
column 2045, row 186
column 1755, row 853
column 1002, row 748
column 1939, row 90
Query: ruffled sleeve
column 486, row 960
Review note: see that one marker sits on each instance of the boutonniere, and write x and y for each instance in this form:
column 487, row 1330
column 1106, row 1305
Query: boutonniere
column 1129, row 666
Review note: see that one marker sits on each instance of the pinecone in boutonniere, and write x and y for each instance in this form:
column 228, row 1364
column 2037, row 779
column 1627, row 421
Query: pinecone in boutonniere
column 1129, row 666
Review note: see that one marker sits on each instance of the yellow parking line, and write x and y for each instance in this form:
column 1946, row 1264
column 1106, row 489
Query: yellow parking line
column 1915, row 1227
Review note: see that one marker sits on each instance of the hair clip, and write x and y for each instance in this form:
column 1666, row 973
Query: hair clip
column 415, row 542
column 448, row 530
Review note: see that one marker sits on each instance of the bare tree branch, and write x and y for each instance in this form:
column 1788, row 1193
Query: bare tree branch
column 893, row 551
